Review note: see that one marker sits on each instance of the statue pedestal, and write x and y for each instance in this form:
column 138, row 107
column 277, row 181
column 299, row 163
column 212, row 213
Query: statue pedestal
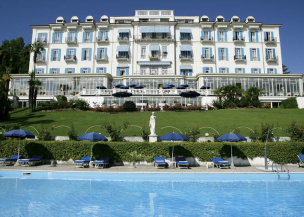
column 153, row 138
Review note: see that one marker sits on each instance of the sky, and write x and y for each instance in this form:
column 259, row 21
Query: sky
column 16, row 16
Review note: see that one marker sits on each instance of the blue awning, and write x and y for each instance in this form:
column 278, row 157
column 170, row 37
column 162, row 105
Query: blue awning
column 154, row 63
column 186, row 67
column 154, row 47
column 185, row 48
column 123, row 48
column 123, row 30
column 185, row 30
column 165, row 49
column 151, row 29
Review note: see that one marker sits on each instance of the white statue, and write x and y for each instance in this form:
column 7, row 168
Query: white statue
column 152, row 124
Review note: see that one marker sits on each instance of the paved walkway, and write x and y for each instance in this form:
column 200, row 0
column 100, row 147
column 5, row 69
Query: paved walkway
column 146, row 169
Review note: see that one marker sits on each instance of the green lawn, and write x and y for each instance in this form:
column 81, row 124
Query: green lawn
column 224, row 121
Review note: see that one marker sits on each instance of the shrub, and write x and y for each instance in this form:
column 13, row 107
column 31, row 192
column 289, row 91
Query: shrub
column 289, row 103
column 192, row 133
column 295, row 132
column 45, row 134
column 145, row 133
column 79, row 104
column 129, row 106
column 72, row 133
column 113, row 130
column 265, row 133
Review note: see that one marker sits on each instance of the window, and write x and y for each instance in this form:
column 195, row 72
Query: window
column 38, row 71
column 186, row 54
column 122, row 71
column 223, row 70
column 164, row 70
column 86, row 54
column 155, row 53
column 222, row 54
column 54, row 71
column 238, row 53
column 55, row 54
column 85, row 70
column 271, row 70
column 165, row 51
column 268, row 36
column 103, row 36
column 57, row 37
column 72, row 36
column 87, row 37
column 253, row 36
column 69, row 70
column 123, row 54
column 238, row 70
column 101, row 70
column 40, row 56
column 102, row 54
column 254, row 54
column 143, row 70
column 207, row 53
column 187, row 72
column 143, row 52
column 42, row 37
column 222, row 36
column 237, row 35
column 184, row 36
column 71, row 53
column 207, row 70
column 154, row 70
column 123, row 36
column 269, row 54
column 255, row 70
column 206, row 35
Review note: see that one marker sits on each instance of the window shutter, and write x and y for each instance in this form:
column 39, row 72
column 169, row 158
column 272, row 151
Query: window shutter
column 81, row 70
column 225, row 36
column 210, row 50
column 66, row 70
column 43, row 54
column 127, row 71
column 73, row 70
column 201, row 35
column 274, row 54
column 46, row 37
column 105, row 70
column 204, row 69
column 241, row 33
column 75, row 52
column 211, row 69
column 42, row 71
column 68, row 35
column 258, row 51
column 60, row 37
column 117, row 71
column 58, row 70
column 243, row 70
column 235, row 51
column 82, row 54
column 251, row 58
column 227, row 69
column 50, row 71
column 75, row 36
column 190, row 72
column 220, row 70
column 91, row 36
column 219, row 53
column 89, row 70
column 264, row 36
column 67, row 52
column 106, row 33
column 266, row 53
column 227, row 54
column 99, row 35
column 242, row 50
column 97, row 69
column 53, row 40
column 181, row 72
column 233, row 34
column 210, row 35
column 275, row 71
column 98, row 53
column 267, row 70
column 257, row 36
column 38, row 37
column 260, row 71
column 180, row 35
column 218, row 36
column 52, row 53
column 236, row 70
column 272, row 37
column 251, row 70
column 90, row 53
column 59, row 53
column 203, row 52
column 35, row 71
column 106, row 52
column 83, row 36
column 249, row 36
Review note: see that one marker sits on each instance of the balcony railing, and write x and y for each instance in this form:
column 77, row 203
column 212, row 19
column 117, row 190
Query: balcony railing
column 238, row 39
column 40, row 59
column 69, row 58
column 153, row 38
column 181, row 57
column 101, row 58
column 207, row 39
column 102, row 40
column 239, row 58
column 42, row 40
column 123, row 39
column 71, row 40
column 270, row 40
column 207, row 58
column 148, row 72
column 124, row 57
column 154, row 56
column 185, row 39
column 272, row 59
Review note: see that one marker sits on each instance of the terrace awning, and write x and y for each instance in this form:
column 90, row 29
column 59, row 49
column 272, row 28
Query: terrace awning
column 154, row 63
column 185, row 30
column 123, row 30
column 154, row 29
column 154, row 47
column 185, row 48
column 186, row 67
column 123, row 48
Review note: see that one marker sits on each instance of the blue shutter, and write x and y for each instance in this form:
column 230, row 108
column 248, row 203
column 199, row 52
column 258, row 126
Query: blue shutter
column 89, row 70
column 218, row 36
column 104, row 69
column 243, row 70
column 42, row 71
column 258, row 51
column 38, row 39
column 75, row 37
column 58, row 70
column 60, row 37
column 59, row 53
column 75, row 52
column 220, row 70
column 241, row 33
column 97, row 69
column 180, row 35
column 190, row 72
column 235, row 70
column 242, row 50
column 227, row 70
column 219, row 53
column 67, row 52
column 83, row 36
column 81, row 70
column 46, row 37
column 202, row 34
column 90, row 53
column 68, row 35
column 66, row 70
column 267, row 70
column 50, row 71
column 275, row 71
column 106, row 35
column 53, row 40
column 210, row 35
column 251, row 54
column 210, row 51
column 181, row 72
column 257, row 36
column 203, row 52
column 211, row 69
column 127, row 71
column 251, row 70
column 82, row 54
column 99, row 33
column 260, row 71
column 43, row 55
column 73, row 70
column 35, row 71
column 98, row 52
column 128, row 36
column 227, row 54
column 204, row 69
column 249, row 36
column 52, row 53
column 233, row 34
column 266, row 53
column 274, row 54
column 106, row 52
column 225, row 36
column 117, row 71
column 264, row 36
column 235, row 51
column 272, row 37
column 91, row 36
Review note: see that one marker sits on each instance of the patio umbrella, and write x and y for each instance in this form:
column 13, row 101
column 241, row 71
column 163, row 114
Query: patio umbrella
column 205, row 87
column 303, row 140
column 173, row 137
column 189, row 94
column 231, row 137
column 138, row 87
column 101, row 87
column 181, row 87
column 118, row 85
column 19, row 134
column 132, row 85
column 124, row 87
column 122, row 94
column 92, row 137
column 185, row 85
column 172, row 85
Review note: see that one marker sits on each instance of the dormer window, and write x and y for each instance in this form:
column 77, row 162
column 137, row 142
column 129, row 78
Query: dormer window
column 235, row 20
column 75, row 21
column 59, row 20
column 251, row 20
column 220, row 20
column 205, row 19
column 89, row 19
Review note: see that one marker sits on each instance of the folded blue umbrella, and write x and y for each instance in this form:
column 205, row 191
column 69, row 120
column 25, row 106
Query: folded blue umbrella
column 231, row 137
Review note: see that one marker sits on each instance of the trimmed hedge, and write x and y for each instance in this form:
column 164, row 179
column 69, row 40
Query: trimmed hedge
column 121, row 151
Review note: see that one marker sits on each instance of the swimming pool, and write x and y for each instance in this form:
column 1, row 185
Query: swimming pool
column 109, row 194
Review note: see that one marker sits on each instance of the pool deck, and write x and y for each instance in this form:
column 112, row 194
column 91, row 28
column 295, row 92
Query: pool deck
column 146, row 169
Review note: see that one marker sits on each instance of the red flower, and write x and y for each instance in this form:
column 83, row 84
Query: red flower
column 294, row 127
column 238, row 131
column 53, row 125
column 194, row 126
column 128, row 125
column 44, row 130
column 45, row 134
column 300, row 130
column 262, row 128
column 277, row 122
column 250, row 131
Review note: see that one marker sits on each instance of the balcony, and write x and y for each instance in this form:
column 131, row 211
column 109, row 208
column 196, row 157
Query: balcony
column 154, row 56
column 70, row 58
column 239, row 58
column 40, row 59
column 271, row 59
column 102, row 40
column 101, row 58
column 207, row 58
column 42, row 40
column 238, row 40
column 123, row 39
column 71, row 40
column 185, row 58
column 207, row 40
column 122, row 58
column 153, row 38
column 270, row 40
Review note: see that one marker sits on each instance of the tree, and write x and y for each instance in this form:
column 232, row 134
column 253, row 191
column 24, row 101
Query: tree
column 285, row 69
column 5, row 104
column 252, row 96
column 34, row 84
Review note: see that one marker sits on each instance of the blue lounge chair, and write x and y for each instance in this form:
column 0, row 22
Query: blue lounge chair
column 10, row 161
column 84, row 162
column 159, row 162
column 301, row 157
column 220, row 163
column 37, row 159
column 102, row 162
column 181, row 162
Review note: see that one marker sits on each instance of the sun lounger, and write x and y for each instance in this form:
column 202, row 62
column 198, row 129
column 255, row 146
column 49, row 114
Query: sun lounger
column 301, row 157
column 10, row 161
column 220, row 163
column 181, row 162
column 32, row 162
column 159, row 162
column 102, row 162
column 84, row 162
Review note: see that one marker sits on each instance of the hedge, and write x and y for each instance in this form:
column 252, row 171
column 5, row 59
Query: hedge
column 124, row 151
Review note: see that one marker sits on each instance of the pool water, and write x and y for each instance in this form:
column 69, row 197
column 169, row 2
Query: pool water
column 100, row 194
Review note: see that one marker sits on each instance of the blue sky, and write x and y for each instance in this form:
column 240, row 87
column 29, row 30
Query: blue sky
column 17, row 15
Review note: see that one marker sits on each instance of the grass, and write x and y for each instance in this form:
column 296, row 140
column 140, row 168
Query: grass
column 223, row 121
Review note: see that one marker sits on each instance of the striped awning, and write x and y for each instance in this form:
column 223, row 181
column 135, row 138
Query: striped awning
column 154, row 63
column 154, row 29
column 186, row 67
column 123, row 48
column 185, row 30
column 185, row 48
column 123, row 30
column 154, row 47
